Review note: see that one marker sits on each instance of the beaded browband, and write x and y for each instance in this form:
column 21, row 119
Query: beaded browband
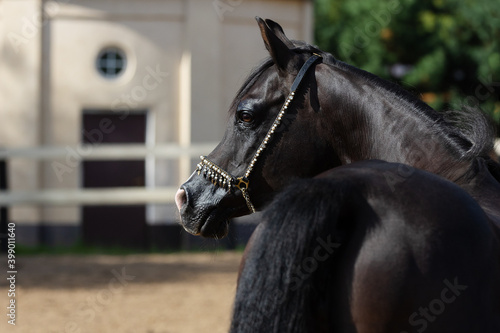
column 222, row 178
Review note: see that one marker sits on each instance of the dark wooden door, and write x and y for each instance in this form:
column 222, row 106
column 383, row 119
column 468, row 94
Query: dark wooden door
column 108, row 225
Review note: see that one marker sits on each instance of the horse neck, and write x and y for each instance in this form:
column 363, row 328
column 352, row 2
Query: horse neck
column 381, row 124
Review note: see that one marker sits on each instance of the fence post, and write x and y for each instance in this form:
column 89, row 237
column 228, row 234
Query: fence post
column 3, row 209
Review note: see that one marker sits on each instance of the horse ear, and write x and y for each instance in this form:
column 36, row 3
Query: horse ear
column 276, row 43
column 278, row 31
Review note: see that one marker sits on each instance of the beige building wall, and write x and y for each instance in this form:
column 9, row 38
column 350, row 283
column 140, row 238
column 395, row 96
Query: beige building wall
column 185, row 61
column 20, row 93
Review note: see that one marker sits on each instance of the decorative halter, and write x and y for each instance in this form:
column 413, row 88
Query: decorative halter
column 222, row 178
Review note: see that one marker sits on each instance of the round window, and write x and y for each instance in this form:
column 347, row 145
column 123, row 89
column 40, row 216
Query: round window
column 111, row 62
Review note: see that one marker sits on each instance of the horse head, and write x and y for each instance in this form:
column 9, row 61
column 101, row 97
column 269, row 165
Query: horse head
column 273, row 120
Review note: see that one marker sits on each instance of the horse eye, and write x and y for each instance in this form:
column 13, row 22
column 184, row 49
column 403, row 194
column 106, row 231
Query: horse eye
column 246, row 117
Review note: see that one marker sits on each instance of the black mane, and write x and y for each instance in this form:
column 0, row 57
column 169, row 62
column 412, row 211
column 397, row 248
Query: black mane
column 468, row 131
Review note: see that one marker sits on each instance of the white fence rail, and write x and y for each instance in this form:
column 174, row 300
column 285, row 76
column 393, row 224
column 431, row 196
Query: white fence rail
column 105, row 196
column 102, row 196
column 108, row 152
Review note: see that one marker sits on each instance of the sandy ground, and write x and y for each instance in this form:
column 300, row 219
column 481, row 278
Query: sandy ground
column 167, row 293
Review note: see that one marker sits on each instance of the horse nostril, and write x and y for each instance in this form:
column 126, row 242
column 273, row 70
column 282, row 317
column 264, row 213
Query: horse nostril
column 180, row 198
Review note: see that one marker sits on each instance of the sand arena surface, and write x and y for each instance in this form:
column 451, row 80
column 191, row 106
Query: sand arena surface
column 159, row 293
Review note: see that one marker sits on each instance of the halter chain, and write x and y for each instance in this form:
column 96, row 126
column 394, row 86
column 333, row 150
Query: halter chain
column 220, row 177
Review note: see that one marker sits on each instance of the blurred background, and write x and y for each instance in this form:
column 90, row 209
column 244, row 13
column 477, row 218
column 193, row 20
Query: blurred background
column 446, row 51
column 106, row 106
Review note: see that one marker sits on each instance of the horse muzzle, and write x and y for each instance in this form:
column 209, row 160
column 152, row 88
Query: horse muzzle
column 204, row 209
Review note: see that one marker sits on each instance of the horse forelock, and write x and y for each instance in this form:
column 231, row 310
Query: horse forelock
column 250, row 81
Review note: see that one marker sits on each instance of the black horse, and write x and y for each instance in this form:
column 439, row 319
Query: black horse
column 349, row 252
column 301, row 113
column 339, row 115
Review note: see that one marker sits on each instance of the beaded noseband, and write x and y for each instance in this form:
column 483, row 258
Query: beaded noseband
column 220, row 177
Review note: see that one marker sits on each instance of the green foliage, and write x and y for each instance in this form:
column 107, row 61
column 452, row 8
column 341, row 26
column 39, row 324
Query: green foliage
column 448, row 51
